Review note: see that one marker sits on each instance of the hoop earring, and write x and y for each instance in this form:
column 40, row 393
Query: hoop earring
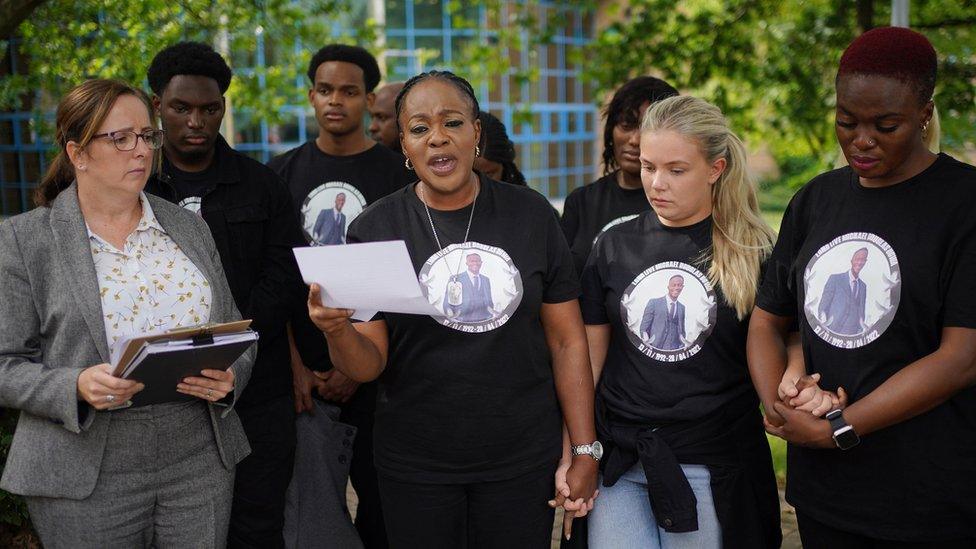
column 477, row 150
column 408, row 165
column 925, row 129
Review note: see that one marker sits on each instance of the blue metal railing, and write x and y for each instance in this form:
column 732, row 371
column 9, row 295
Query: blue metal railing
column 555, row 150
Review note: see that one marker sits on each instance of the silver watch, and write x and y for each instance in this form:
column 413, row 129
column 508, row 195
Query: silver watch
column 594, row 450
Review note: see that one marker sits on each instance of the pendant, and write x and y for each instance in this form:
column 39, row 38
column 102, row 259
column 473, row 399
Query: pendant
column 454, row 293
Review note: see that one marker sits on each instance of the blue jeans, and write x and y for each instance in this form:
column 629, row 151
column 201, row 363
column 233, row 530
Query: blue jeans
column 622, row 515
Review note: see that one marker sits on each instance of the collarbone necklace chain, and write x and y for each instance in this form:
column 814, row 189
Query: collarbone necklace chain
column 454, row 289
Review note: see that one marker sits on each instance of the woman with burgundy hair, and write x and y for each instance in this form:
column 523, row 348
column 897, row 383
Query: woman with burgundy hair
column 875, row 264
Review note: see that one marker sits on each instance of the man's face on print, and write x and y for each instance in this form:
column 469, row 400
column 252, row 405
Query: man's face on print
column 675, row 285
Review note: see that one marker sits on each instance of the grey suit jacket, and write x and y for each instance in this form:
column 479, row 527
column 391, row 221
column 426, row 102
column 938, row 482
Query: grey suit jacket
column 842, row 310
column 51, row 328
column 328, row 230
column 663, row 332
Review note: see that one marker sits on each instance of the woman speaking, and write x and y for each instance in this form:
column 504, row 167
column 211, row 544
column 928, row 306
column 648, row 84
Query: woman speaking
column 468, row 422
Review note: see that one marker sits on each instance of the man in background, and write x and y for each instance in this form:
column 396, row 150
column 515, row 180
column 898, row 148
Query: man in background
column 253, row 222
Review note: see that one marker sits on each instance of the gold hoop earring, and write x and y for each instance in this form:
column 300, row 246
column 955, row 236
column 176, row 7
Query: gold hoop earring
column 408, row 164
column 477, row 150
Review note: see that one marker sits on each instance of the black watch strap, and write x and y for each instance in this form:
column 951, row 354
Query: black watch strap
column 843, row 434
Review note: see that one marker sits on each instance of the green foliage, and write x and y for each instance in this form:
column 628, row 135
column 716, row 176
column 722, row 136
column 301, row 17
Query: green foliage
column 770, row 65
column 750, row 57
column 67, row 42
column 505, row 30
column 777, row 447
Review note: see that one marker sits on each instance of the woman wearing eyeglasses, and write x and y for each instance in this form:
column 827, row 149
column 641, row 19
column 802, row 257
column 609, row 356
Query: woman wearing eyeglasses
column 97, row 261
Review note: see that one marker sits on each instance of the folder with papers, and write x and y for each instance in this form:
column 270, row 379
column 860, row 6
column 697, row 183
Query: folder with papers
column 161, row 360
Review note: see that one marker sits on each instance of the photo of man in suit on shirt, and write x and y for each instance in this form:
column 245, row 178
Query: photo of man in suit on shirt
column 663, row 322
column 330, row 226
column 475, row 293
column 842, row 304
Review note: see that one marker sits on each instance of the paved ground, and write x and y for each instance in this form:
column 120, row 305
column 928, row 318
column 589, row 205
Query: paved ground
column 791, row 540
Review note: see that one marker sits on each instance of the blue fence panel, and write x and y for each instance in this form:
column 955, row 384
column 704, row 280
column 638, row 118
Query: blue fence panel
column 557, row 120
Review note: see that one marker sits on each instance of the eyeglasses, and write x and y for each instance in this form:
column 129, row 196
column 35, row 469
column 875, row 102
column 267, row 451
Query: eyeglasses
column 125, row 140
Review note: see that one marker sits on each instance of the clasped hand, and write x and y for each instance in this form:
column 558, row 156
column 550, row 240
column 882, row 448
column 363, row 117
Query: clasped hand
column 796, row 416
column 576, row 489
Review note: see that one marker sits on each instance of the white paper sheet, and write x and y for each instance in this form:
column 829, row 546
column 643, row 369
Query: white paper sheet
column 369, row 277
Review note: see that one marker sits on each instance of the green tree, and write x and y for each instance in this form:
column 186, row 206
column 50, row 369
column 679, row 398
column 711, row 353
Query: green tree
column 13, row 12
column 67, row 42
column 770, row 65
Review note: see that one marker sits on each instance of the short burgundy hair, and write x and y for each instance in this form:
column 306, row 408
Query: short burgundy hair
column 895, row 52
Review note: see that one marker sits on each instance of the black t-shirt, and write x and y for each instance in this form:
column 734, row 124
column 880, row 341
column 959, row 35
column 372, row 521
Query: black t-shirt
column 592, row 209
column 191, row 187
column 874, row 275
column 677, row 350
column 316, row 181
column 470, row 396
column 319, row 182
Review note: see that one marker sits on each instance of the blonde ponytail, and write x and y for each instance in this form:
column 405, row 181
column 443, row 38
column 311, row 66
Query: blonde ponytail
column 741, row 239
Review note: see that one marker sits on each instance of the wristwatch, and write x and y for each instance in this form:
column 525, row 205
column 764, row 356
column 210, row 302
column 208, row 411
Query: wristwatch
column 593, row 449
column 844, row 435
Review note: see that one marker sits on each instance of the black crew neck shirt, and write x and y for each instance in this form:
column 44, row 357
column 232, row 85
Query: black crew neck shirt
column 315, row 178
column 669, row 359
column 592, row 209
column 191, row 187
column 873, row 275
column 469, row 396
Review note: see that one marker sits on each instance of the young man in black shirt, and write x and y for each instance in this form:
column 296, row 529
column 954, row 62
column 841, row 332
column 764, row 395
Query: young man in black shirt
column 254, row 225
column 341, row 160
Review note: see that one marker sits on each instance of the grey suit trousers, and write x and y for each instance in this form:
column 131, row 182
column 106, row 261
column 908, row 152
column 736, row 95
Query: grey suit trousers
column 161, row 484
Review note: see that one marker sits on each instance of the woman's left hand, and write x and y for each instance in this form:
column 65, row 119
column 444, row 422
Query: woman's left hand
column 582, row 478
column 211, row 385
column 572, row 508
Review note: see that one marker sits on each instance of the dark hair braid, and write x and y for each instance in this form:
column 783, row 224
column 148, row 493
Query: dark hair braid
column 624, row 107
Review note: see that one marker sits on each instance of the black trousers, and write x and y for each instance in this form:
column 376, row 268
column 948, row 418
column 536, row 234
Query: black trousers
column 817, row 535
column 506, row 514
column 258, row 511
column 362, row 471
column 580, row 535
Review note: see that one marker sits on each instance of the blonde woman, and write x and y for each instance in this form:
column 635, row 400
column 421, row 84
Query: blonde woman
column 666, row 302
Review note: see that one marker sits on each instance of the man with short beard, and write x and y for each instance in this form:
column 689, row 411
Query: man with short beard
column 342, row 159
column 254, row 224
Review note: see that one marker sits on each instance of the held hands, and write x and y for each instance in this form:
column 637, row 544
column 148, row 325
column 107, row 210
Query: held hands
column 576, row 489
column 330, row 321
column 211, row 385
column 334, row 386
column 796, row 417
column 98, row 387
column 804, row 394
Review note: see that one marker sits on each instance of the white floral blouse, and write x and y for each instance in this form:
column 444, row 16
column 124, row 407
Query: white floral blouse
column 149, row 285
